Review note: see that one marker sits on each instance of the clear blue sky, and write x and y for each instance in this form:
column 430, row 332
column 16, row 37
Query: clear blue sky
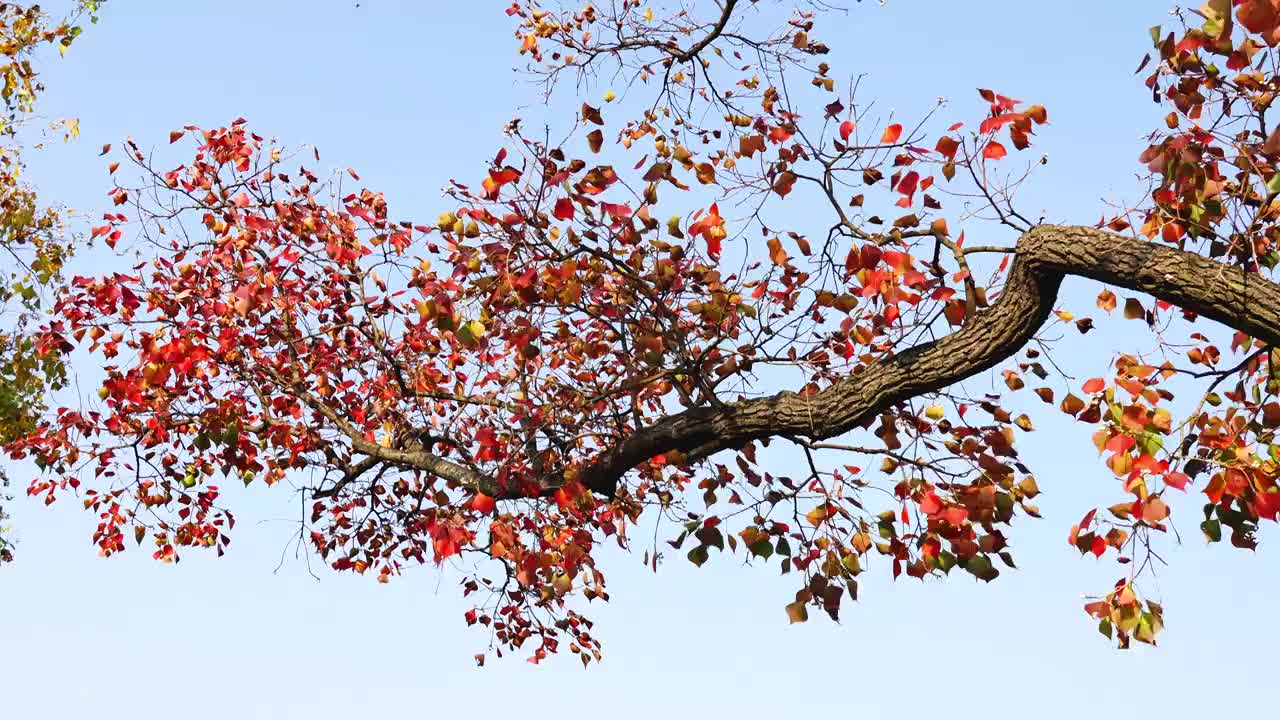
column 411, row 93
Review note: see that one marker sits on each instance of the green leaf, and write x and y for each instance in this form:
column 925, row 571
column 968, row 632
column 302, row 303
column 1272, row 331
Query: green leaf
column 1151, row 443
column 980, row 567
column 698, row 555
column 1212, row 530
column 784, row 547
column 1217, row 17
column 762, row 548
column 946, row 561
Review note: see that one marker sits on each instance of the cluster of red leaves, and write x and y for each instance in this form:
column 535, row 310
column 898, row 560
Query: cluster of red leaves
column 1216, row 162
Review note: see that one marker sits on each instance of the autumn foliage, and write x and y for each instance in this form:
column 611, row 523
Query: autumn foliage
column 34, row 241
column 568, row 351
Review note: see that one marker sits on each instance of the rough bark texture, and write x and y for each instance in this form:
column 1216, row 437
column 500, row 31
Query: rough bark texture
column 1043, row 257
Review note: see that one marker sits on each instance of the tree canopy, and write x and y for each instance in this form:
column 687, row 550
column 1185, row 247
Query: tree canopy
column 34, row 241
column 614, row 324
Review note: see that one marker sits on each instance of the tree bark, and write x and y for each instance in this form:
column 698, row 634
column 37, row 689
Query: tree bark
column 1043, row 257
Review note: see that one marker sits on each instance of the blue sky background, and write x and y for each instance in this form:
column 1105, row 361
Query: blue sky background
column 410, row 93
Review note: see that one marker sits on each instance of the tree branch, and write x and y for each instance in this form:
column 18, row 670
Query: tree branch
column 1044, row 255
column 716, row 32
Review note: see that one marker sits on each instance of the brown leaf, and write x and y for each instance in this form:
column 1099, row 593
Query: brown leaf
column 1272, row 144
column 797, row 612
column 784, row 183
column 1072, row 405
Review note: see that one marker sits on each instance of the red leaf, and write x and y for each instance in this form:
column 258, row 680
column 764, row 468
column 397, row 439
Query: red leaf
column 994, row 151
column 482, row 503
column 1267, row 505
column 930, row 505
column 563, row 209
column 174, row 136
column 1088, row 518
column 1177, row 480
column 1099, row 546
column 779, row 134
column 891, row 134
column 846, row 129
column 1094, row 385
column 907, row 185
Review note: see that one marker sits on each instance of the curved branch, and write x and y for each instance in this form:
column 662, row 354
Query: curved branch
column 1043, row 257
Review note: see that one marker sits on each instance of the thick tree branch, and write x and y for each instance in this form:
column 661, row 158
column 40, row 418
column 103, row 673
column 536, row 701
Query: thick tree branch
column 1044, row 255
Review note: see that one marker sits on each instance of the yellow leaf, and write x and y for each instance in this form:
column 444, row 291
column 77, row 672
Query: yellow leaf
column 818, row 515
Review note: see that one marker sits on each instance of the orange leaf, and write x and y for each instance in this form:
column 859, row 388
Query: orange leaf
column 1107, row 300
column 994, row 151
column 891, row 134
column 1155, row 510
column 1257, row 16
column 776, row 254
